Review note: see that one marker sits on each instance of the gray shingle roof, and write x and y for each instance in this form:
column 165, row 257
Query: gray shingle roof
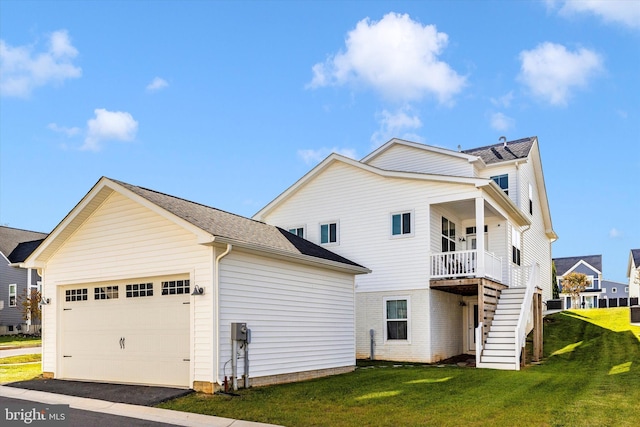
column 564, row 264
column 11, row 238
column 635, row 253
column 224, row 224
column 513, row 150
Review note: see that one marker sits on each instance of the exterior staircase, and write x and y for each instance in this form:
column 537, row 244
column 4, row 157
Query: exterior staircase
column 499, row 350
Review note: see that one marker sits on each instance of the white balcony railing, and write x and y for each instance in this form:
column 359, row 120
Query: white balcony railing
column 459, row 264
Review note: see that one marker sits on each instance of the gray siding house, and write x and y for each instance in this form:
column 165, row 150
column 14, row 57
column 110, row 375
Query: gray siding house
column 15, row 246
column 601, row 293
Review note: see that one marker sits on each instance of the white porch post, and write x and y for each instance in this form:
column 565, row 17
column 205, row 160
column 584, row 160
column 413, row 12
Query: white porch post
column 480, row 236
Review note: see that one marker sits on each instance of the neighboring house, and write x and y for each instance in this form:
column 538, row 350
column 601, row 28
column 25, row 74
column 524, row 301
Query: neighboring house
column 446, row 234
column 633, row 273
column 590, row 266
column 143, row 287
column 16, row 282
column 600, row 293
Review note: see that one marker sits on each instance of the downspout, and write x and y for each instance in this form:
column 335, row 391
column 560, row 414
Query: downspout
column 216, row 307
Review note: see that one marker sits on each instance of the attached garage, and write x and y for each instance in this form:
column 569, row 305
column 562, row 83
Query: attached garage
column 133, row 331
column 142, row 287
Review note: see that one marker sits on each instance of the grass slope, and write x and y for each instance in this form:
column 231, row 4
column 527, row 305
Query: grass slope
column 590, row 377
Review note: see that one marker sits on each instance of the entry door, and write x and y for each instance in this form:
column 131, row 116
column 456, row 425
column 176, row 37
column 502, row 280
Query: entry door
column 471, row 323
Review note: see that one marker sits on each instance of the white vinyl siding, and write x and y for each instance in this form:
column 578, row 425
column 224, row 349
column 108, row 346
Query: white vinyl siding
column 301, row 317
column 410, row 159
column 121, row 240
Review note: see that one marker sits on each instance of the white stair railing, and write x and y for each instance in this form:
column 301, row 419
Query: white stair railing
column 525, row 313
column 479, row 342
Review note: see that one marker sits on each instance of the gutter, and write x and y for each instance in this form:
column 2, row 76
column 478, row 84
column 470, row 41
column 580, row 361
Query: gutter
column 216, row 307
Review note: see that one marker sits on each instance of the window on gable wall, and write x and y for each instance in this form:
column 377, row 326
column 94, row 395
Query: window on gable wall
column 329, row 233
column 502, row 181
column 401, row 224
column 515, row 246
column 530, row 199
column 298, row 231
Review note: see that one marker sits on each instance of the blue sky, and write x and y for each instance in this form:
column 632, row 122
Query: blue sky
column 229, row 103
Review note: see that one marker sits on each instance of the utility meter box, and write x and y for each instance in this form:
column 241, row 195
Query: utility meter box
column 239, row 331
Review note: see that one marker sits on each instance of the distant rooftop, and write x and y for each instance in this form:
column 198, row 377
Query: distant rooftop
column 564, row 264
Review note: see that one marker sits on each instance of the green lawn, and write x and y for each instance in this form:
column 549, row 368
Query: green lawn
column 590, row 377
column 29, row 367
column 7, row 341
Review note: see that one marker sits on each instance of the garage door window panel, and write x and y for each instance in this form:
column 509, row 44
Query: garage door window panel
column 138, row 290
column 175, row 287
column 72, row 295
column 105, row 292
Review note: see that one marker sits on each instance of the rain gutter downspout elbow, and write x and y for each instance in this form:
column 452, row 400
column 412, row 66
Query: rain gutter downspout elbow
column 216, row 308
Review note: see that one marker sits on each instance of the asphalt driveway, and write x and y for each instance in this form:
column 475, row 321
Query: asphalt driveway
column 118, row 393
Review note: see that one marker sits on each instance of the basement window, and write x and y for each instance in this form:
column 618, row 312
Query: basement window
column 175, row 287
column 139, row 290
column 71, row 295
column 105, row 292
column 396, row 318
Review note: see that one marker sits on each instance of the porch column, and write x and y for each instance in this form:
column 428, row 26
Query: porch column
column 480, row 236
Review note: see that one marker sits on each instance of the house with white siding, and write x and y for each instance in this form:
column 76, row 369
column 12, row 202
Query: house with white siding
column 459, row 244
column 146, row 288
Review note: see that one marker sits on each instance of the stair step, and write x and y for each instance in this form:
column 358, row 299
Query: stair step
column 504, row 322
column 503, row 316
column 501, row 340
column 495, row 365
column 487, row 352
column 502, row 328
column 497, row 359
column 504, row 310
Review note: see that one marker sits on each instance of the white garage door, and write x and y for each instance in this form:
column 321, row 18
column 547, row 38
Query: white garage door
column 127, row 332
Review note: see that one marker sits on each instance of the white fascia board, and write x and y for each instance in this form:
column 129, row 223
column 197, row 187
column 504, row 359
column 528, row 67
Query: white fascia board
column 396, row 141
column 290, row 256
column 505, row 202
column 372, row 169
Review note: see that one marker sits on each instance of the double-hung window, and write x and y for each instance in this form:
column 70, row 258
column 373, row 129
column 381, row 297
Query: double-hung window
column 401, row 224
column 530, row 199
column 329, row 232
column 502, row 181
column 396, row 318
column 515, row 246
column 13, row 295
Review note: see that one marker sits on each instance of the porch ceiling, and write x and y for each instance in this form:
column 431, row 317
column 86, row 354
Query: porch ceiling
column 466, row 209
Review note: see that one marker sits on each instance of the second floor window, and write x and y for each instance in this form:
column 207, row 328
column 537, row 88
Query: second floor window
column 401, row 224
column 502, row 181
column 329, row 232
column 298, row 231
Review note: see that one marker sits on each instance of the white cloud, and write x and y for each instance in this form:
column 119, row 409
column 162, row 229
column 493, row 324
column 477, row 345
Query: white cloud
column 157, row 84
column 64, row 130
column 396, row 56
column 625, row 12
column 310, row 156
column 551, row 71
column 501, row 122
column 614, row 233
column 22, row 70
column 396, row 124
column 109, row 126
